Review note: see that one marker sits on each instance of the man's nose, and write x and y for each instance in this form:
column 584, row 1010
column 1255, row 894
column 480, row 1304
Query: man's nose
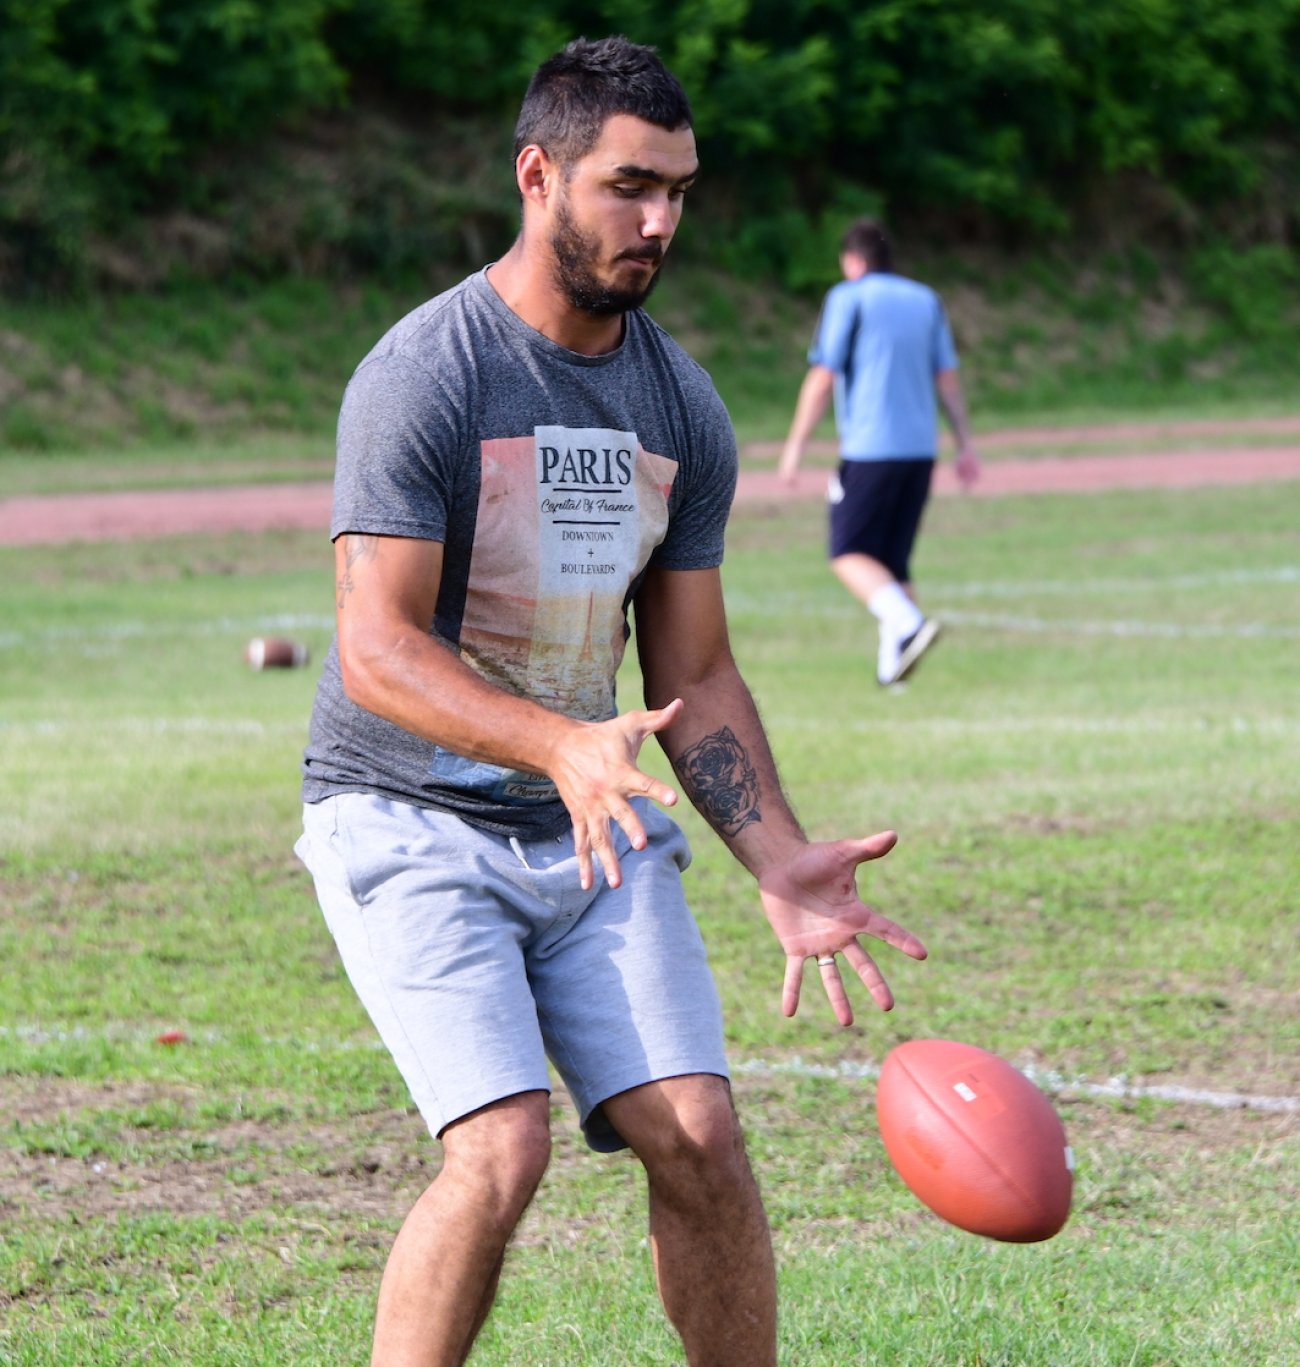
column 659, row 220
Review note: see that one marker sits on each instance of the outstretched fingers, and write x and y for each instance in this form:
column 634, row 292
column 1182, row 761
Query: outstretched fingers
column 604, row 776
column 813, row 905
column 894, row 935
column 833, row 983
column 792, row 985
column 593, row 846
column 829, row 968
column 872, row 978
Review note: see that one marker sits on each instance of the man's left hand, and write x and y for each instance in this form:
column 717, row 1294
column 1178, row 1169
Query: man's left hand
column 812, row 903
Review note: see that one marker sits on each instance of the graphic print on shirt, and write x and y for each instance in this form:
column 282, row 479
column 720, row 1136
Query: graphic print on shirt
column 567, row 520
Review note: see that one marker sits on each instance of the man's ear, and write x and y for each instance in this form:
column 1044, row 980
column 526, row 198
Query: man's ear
column 535, row 173
column 853, row 265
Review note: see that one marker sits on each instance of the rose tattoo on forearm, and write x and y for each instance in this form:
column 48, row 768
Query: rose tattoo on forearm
column 721, row 782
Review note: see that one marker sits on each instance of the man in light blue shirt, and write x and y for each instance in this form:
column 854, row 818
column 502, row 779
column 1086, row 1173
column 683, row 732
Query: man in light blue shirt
column 884, row 352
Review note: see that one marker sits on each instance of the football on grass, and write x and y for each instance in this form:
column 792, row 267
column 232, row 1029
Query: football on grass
column 274, row 652
column 976, row 1140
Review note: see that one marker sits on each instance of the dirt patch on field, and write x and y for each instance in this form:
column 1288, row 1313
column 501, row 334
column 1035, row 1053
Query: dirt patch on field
column 371, row 1168
column 371, row 1165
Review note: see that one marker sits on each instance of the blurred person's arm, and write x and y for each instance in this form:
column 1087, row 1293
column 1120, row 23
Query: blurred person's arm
column 952, row 400
column 810, row 408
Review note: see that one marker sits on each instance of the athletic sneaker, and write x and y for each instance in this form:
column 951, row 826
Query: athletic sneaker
column 895, row 665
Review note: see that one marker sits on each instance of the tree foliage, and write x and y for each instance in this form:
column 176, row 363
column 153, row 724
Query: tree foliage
column 1026, row 117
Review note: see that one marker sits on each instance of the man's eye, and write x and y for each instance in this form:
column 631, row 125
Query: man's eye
column 627, row 191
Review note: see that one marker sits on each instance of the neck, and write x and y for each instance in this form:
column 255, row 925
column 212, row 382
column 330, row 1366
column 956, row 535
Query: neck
column 527, row 287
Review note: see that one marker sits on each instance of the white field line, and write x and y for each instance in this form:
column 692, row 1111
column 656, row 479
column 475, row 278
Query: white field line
column 113, row 631
column 941, row 595
column 792, row 605
column 1021, row 588
column 831, row 605
column 89, row 636
column 1186, row 727
column 1168, row 631
column 1052, row 1082
column 149, row 727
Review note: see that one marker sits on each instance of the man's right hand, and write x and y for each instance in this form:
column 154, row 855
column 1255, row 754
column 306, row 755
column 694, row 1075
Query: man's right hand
column 968, row 465
column 597, row 774
column 788, row 467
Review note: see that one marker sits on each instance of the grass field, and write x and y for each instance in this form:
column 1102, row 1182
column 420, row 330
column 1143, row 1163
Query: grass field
column 1097, row 783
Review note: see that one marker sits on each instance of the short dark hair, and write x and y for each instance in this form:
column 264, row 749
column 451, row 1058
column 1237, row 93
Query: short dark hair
column 574, row 93
column 868, row 239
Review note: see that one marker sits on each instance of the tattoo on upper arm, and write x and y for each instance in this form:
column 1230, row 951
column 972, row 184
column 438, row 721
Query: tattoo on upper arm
column 356, row 547
column 721, row 782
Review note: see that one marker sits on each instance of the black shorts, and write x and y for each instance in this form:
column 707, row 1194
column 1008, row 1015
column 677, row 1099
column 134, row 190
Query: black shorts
column 875, row 510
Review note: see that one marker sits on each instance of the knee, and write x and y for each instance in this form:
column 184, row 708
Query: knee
column 698, row 1152
column 498, row 1157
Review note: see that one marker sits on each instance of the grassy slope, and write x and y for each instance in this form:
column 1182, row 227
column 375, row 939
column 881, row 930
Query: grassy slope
column 208, row 382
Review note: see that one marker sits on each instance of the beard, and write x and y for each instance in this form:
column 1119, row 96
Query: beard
column 575, row 254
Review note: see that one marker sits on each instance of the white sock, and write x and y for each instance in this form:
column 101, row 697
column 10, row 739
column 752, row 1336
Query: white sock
column 898, row 616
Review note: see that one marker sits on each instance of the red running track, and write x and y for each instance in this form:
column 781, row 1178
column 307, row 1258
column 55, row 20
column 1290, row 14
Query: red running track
column 58, row 518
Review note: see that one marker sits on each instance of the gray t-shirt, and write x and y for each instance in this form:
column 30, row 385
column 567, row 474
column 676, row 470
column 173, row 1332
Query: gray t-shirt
column 553, row 480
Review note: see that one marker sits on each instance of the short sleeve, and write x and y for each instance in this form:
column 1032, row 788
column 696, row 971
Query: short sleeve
column 700, row 507
column 945, row 349
column 833, row 343
column 394, row 453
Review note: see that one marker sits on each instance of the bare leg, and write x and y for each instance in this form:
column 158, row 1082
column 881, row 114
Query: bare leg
column 903, row 632
column 712, row 1246
column 862, row 575
column 442, row 1272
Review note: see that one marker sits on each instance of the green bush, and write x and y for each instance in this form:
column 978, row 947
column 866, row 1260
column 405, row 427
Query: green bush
column 104, row 102
column 1256, row 289
column 1168, row 119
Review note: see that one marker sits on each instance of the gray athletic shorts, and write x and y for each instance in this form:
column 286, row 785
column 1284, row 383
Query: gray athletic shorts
column 479, row 957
